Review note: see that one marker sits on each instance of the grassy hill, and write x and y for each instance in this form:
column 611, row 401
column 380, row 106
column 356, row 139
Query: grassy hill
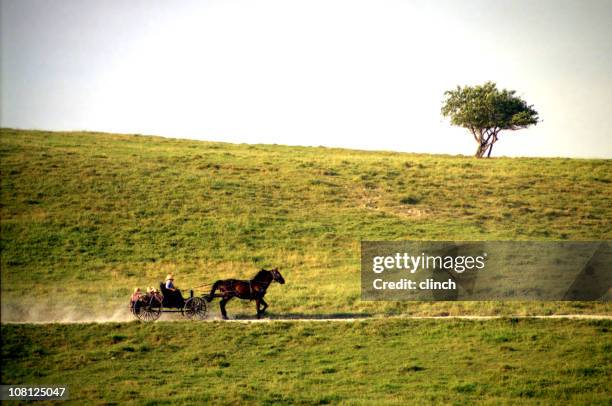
column 394, row 362
column 85, row 217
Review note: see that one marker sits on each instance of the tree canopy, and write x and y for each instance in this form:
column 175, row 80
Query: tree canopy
column 485, row 111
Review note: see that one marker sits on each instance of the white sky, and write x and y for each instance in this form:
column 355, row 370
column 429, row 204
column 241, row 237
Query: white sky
column 359, row 74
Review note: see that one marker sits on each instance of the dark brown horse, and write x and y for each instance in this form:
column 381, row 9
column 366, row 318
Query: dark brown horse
column 254, row 289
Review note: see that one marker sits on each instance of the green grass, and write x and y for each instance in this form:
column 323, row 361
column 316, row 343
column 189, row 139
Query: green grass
column 506, row 361
column 86, row 217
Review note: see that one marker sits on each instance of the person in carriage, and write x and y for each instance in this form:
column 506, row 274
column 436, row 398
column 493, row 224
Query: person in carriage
column 154, row 293
column 135, row 300
column 136, row 295
column 172, row 295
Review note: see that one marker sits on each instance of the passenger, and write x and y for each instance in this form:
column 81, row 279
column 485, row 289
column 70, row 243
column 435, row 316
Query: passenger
column 136, row 295
column 156, row 294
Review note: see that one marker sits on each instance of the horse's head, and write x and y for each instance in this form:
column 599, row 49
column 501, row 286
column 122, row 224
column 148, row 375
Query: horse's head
column 276, row 276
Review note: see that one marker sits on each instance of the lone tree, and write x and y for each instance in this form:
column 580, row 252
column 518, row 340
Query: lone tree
column 485, row 111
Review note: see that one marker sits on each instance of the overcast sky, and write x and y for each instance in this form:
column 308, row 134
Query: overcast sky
column 359, row 74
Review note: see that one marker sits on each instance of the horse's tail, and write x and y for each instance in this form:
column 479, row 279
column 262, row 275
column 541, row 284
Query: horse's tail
column 211, row 295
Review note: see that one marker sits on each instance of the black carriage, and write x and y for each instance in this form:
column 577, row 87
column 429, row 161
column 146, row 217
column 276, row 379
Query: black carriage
column 149, row 307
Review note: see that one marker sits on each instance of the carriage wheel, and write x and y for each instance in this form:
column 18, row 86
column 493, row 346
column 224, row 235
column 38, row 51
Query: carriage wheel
column 195, row 308
column 135, row 307
column 149, row 311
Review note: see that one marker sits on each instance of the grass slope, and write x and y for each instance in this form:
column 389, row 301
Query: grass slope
column 85, row 217
column 374, row 362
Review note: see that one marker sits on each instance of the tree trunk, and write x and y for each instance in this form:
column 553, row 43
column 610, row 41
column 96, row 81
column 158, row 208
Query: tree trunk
column 482, row 149
column 485, row 148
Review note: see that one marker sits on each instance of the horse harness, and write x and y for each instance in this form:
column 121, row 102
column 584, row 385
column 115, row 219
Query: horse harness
column 250, row 282
column 262, row 292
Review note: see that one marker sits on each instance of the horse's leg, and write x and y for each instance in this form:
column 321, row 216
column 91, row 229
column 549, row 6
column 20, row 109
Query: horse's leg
column 265, row 306
column 257, row 305
column 211, row 295
column 222, row 305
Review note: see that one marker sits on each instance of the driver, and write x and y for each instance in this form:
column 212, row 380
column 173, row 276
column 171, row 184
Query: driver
column 170, row 286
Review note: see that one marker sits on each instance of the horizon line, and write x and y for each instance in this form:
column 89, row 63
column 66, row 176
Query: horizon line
column 178, row 138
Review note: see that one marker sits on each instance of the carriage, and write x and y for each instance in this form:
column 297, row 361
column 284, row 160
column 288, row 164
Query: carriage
column 149, row 307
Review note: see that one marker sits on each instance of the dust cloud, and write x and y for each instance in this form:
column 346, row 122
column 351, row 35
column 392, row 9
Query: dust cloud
column 57, row 312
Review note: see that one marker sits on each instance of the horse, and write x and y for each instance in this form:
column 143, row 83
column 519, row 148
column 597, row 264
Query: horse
column 254, row 289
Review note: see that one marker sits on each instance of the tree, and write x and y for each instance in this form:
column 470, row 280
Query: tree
column 485, row 111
